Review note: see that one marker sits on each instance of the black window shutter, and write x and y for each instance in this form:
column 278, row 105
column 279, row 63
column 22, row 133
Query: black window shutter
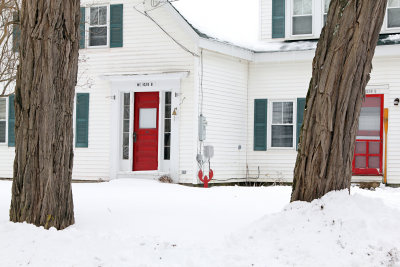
column 116, row 25
column 278, row 18
column 11, row 121
column 82, row 120
column 301, row 104
column 260, row 124
column 82, row 29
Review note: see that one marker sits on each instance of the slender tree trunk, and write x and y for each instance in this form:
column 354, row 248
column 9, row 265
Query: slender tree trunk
column 44, row 96
column 341, row 69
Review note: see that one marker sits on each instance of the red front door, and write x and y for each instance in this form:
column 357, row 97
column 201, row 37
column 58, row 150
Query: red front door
column 145, row 136
column 369, row 142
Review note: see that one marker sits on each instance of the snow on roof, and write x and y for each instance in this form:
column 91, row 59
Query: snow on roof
column 236, row 23
column 232, row 21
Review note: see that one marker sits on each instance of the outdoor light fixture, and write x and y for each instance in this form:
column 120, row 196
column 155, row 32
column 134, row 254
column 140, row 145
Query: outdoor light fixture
column 396, row 102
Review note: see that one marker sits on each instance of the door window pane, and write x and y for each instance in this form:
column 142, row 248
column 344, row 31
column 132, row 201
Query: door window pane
column 167, row 126
column 373, row 162
column 369, row 125
column 148, row 118
column 374, row 147
column 361, row 162
column 361, row 147
column 126, row 125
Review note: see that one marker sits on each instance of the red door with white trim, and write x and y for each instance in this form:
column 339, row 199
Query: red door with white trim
column 145, row 136
column 369, row 142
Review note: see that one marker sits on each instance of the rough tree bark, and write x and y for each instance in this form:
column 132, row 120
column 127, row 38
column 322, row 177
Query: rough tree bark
column 44, row 96
column 341, row 69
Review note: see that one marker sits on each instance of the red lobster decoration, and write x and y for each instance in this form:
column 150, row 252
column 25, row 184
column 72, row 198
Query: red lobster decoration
column 205, row 179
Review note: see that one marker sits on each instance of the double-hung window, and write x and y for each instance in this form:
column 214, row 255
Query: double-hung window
column 3, row 120
column 282, row 127
column 393, row 14
column 302, row 17
column 98, row 29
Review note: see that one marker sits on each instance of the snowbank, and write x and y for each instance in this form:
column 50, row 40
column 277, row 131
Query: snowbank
column 337, row 230
column 145, row 223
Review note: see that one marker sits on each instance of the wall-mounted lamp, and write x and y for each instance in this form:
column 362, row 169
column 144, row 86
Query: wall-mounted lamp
column 396, row 102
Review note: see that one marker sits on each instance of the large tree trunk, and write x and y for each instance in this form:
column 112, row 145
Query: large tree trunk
column 44, row 96
column 341, row 69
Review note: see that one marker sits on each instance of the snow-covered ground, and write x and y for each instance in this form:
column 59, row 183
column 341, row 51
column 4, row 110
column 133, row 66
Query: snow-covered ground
column 146, row 223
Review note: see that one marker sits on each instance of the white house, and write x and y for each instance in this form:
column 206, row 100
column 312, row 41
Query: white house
column 146, row 76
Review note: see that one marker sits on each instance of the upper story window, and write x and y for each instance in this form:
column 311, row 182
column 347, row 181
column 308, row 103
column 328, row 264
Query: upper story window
column 302, row 17
column 393, row 14
column 101, row 26
column 98, row 30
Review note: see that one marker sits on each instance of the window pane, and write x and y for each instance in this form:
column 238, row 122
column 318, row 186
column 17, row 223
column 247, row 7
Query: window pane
column 102, row 15
column 167, row 98
column 302, row 25
column 127, row 97
column 167, row 111
column 125, row 152
column 373, row 162
column 167, row 153
column 126, row 112
column 282, row 136
column 394, row 17
column 288, row 112
column 277, row 112
column 326, row 7
column 126, row 126
column 125, row 141
column 394, row 3
column 167, row 139
column 97, row 36
column 360, row 162
column 148, row 118
column 374, row 148
column 369, row 123
column 167, row 127
column 2, row 131
column 307, row 7
column 94, row 16
column 2, row 108
column 297, row 7
column 361, row 148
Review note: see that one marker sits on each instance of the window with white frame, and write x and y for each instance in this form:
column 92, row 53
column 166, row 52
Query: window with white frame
column 98, row 30
column 302, row 17
column 326, row 8
column 282, row 127
column 393, row 14
column 3, row 120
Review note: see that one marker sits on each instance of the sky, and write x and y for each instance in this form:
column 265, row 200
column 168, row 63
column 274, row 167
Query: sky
column 228, row 20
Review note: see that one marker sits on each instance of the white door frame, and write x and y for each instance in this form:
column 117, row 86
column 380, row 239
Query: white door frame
column 131, row 83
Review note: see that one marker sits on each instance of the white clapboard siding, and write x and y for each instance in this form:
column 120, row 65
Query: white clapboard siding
column 265, row 20
column 386, row 71
column 225, row 107
column 289, row 80
column 146, row 49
